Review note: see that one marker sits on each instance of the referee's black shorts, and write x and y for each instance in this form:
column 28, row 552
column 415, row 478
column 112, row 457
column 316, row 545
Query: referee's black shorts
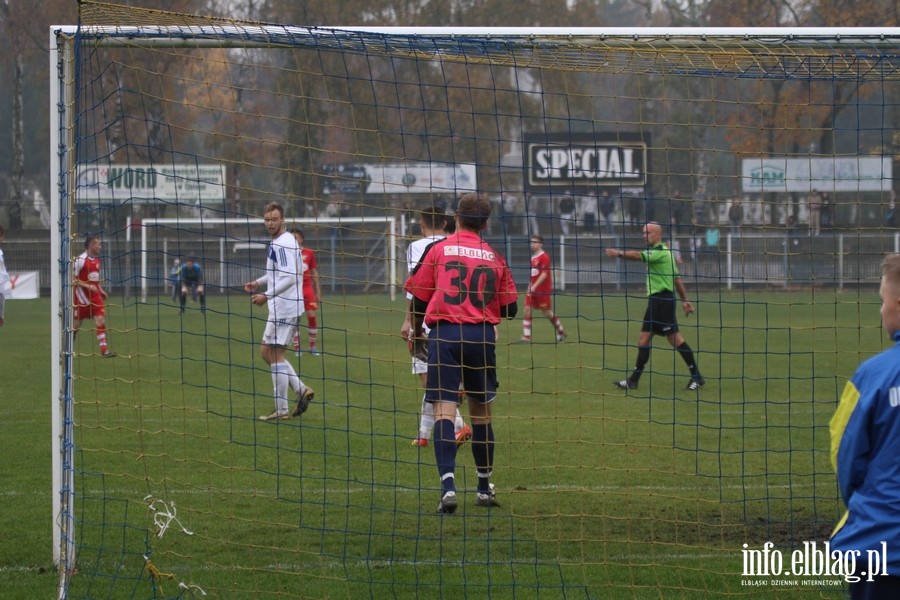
column 660, row 316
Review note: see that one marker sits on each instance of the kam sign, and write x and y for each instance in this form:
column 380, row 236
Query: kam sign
column 833, row 174
column 583, row 162
column 195, row 185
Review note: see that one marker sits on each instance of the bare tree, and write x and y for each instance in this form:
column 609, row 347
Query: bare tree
column 15, row 196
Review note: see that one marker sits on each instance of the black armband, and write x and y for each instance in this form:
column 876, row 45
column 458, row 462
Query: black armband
column 417, row 310
column 418, row 306
column 509, row 311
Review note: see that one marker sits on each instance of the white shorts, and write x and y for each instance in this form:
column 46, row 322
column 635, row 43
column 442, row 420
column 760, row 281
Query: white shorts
column 280, row 332
column 419, row 367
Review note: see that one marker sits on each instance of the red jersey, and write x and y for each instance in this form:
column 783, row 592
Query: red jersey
column 463, row 280
column 540, row 263
column 309, row 264
column 87, row 269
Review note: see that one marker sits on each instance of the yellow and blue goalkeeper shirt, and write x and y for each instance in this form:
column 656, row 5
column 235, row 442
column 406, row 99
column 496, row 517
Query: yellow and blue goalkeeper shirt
column 865, row 452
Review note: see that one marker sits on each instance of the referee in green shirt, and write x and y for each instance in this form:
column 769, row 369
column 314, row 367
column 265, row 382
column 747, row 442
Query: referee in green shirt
column 663, row 280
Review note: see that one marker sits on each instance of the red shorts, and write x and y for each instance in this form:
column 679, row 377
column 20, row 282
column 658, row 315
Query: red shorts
column 309, row 301
column 539, row 301
column 89, row 311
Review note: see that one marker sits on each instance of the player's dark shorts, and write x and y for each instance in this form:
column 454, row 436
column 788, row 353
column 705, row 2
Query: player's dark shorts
column 192, row 287
column 660, row 316
column 461, row 353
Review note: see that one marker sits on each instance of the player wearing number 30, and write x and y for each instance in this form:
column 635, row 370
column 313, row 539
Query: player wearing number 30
column 461, row 289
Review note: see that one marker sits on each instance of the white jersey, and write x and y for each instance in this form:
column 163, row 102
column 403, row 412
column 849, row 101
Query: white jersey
column 416, row 250
column 283, row 278
column 5, row 282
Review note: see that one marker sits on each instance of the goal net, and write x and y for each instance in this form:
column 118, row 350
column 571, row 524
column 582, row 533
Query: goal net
column 766, row 156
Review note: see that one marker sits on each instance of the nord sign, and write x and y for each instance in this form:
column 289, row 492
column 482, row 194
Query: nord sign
column 108, row 184
column 572, row 162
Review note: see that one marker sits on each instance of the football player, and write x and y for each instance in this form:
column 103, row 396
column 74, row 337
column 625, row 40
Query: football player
column 90, row 297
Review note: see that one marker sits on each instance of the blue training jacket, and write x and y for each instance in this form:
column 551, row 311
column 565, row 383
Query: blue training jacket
column 865, row 452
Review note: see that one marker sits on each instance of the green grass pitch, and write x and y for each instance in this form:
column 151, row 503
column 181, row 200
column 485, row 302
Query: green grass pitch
column 605, row 495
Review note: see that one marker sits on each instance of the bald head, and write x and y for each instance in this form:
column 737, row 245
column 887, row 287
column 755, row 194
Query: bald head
column 652, row 233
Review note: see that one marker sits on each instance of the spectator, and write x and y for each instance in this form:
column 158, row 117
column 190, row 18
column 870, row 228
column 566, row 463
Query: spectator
column 677, row 213
column 736, row 213
column 793, row 230
column 635, row 211
column 890, row 217
column 496, row 209
column 590, row 208
column 608, row 210
column 814, row 200
column 827, row 211
column 649, row 206
column 711, row 248
column 676, row 251
column 510, row 210
column 566, row 213
column 531, row 212
column 701, row 211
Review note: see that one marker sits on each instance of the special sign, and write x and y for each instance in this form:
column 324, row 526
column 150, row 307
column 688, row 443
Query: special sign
column 563, row 161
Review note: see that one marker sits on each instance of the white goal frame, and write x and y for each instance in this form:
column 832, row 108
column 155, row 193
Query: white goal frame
column 390, row 280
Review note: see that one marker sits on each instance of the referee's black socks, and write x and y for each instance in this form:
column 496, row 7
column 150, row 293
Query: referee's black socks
column 643, row 357
column 688, row 355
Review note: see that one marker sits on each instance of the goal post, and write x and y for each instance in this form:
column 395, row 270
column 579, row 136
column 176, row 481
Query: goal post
column 166, row 479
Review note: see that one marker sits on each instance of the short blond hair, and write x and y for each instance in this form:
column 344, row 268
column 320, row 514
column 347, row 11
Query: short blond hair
column 272, row 207
column 890, row 269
